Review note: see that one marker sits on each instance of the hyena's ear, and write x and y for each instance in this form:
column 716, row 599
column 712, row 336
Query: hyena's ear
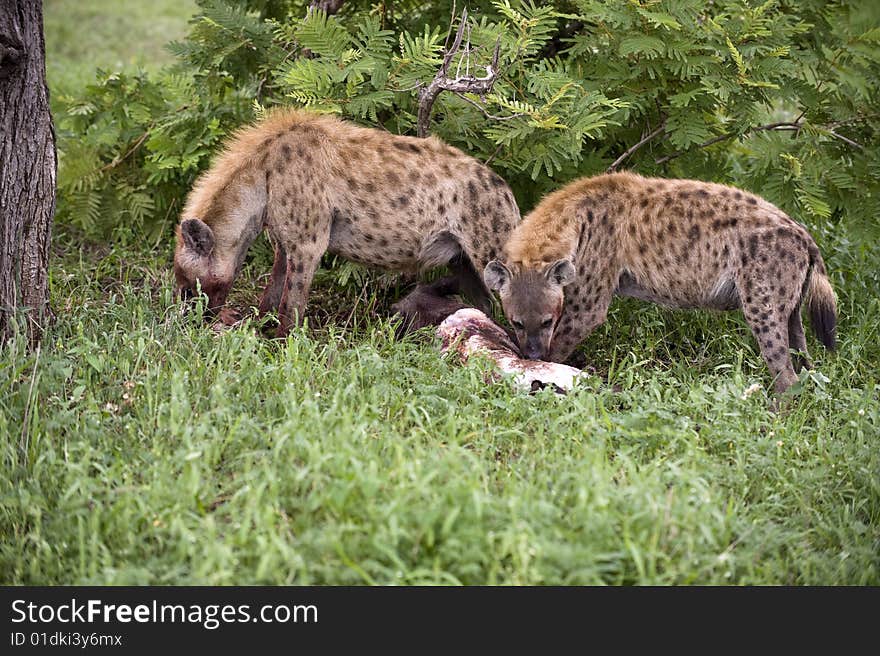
column 561, row 272
column 197, row 237
column 496, row 275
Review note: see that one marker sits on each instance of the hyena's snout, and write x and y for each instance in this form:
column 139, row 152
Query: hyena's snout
column 189, row 298
column 212, row 297
column 535, row 347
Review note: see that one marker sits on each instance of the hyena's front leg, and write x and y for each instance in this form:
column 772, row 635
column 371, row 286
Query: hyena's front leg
column 471, row 283
column 271, row 298
column 583, row 312
column 303, row 259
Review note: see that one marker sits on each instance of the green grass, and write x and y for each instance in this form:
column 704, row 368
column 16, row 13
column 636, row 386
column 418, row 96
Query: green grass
column 82, row 35
column 139, row 447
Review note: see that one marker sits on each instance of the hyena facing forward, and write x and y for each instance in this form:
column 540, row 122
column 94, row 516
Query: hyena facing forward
column 318, row 184
column 679, row 243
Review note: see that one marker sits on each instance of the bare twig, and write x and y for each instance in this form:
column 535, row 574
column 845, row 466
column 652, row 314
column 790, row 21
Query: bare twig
column 837, row 54
column 467, row 52
column 660, row 129
column 26, row 424
column 793, row 126
column 855, row 119
column 846, row 140
column 137, row 144
column 494, row 154
column 460, row 84
column 491, row 116
column 781, row 125
column 705, row 144
column 451, row 23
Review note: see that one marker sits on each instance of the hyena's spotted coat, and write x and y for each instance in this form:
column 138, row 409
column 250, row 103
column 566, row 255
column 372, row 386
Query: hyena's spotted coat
column 318, row 184
column 680, row 243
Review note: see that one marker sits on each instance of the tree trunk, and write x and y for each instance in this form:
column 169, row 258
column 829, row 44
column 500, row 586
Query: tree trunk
column 27, row 170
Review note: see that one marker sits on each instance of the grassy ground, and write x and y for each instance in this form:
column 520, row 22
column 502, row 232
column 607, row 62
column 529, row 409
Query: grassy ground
column 82, row 35
column 142, row 448
column 136, row 446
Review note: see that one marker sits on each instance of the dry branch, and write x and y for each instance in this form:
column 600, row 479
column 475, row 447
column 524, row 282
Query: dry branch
column 460, row 84
column 660, row 129
column 791, row 126
column 846, row 140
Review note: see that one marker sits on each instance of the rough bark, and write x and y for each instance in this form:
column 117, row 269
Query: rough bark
column 27, row 170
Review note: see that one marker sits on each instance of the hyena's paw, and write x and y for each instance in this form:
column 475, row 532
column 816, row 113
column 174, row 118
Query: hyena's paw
column 781, row 404
column 226, row 318
column 229, row 316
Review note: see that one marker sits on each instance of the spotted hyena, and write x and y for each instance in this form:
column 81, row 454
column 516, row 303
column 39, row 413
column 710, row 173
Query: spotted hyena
column 680, row 243
column 319, row 184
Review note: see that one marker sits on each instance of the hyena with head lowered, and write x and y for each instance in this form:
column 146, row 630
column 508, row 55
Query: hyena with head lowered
column 318, row 184
column 679, row 243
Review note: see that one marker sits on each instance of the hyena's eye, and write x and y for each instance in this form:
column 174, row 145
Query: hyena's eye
column 546, row 323
column 517, row 324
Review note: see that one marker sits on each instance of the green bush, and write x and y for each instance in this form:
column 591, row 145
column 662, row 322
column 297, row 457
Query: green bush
column 778, row 97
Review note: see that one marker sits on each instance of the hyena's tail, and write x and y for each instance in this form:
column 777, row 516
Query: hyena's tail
column 822, row 302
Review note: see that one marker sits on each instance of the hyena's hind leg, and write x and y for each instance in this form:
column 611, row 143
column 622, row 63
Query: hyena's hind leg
column 769, row 324
column 271, row 298
column 770, row 292
column 797, row 341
